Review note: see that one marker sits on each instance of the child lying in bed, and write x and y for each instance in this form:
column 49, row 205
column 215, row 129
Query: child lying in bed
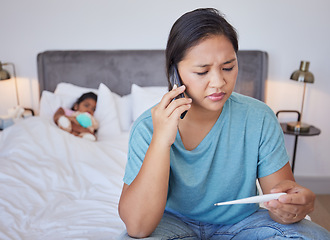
column 79, row 119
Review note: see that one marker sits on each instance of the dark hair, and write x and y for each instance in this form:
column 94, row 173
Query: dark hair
column 83, row 97
column 193, row 27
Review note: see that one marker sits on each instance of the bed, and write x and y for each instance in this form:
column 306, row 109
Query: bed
column 54, row 185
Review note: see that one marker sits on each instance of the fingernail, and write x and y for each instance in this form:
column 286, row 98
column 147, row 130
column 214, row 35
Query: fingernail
column 272, row 204
column 284, row 198
column 175, row 86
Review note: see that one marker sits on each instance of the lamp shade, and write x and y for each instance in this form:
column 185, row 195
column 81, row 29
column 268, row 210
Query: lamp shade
column 4, row 75
column 303, row 75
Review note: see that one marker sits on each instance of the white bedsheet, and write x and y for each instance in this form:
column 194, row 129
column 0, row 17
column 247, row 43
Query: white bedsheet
column 54, row 185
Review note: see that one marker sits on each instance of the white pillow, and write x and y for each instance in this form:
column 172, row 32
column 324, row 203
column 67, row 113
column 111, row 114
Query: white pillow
column 124, row 110
column 106, row 114
column 50, row 102
column 70, row 89
column 144, row 98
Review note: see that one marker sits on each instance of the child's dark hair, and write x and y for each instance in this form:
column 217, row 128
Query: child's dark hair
column 87, row 95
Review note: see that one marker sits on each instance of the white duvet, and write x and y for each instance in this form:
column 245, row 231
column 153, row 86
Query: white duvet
column 54, row 185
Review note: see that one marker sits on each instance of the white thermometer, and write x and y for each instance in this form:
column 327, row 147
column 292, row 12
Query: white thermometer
column 256, row 199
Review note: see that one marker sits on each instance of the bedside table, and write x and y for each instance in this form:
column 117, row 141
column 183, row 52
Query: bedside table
column 313, row 131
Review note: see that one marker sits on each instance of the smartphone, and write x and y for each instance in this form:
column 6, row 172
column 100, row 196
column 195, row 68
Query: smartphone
column 175, row 79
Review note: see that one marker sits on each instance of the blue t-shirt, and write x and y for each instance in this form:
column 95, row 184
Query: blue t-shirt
column 244, row 144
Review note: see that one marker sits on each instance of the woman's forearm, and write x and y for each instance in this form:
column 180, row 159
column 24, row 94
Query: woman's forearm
column 143, row 202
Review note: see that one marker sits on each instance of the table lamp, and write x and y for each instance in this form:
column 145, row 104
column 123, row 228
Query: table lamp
column 4, row 75
column 301, row 75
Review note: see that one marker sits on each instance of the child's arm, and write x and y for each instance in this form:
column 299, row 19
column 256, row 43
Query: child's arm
column 80, row 123
column 58, row 114
column 69, row 123
column 77, row 128
column 62, row 121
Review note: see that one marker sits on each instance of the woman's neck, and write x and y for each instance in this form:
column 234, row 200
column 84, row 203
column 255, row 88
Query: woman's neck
column 195, row 126
column 201, row 115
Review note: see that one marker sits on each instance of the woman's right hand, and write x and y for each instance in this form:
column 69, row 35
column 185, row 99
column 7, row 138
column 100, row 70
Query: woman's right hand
column 142, row 203
column 166, row 115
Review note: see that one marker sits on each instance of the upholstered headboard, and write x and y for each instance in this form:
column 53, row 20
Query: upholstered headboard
column 119, row 69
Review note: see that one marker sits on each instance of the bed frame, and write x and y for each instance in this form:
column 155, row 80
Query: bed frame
column 119, row 69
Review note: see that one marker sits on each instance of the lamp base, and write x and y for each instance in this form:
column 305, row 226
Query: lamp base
column 298, row 127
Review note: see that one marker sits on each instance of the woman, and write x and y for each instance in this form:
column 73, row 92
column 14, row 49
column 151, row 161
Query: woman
column 178, row 168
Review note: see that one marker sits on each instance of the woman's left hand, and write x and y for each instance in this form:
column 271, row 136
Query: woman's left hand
column 293, row 206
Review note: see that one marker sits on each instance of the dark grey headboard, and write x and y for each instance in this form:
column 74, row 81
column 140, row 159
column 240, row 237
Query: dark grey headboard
column 118, row 69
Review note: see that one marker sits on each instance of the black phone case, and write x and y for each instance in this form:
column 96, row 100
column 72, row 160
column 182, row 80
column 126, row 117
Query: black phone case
column 175, row 79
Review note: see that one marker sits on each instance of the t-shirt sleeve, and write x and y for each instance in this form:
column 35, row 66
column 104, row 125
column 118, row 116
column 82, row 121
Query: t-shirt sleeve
column 140, row 138
column 272, row 152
